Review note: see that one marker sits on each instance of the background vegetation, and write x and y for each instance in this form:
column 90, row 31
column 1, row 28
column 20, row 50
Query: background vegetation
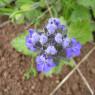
column 79, row 15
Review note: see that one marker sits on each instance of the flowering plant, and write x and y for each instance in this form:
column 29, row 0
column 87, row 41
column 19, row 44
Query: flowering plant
column 51, row 47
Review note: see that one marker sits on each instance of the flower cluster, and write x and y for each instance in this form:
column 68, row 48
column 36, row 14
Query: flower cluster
column 52, row 43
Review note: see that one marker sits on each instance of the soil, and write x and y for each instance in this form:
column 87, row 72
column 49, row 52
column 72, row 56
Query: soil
column 13, row 66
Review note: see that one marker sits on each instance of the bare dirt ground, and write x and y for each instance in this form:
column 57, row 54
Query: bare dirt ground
column 14, row 64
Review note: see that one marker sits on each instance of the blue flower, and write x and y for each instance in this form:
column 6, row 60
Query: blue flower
column 35, row 38
column 51, row 50
column 44, row 64
column 31, row 39
column 55, row 21
column 43, row 39
column 62, row 27
column 74, row 50
column 51, row 28
column 29, row 43
column 58, row 38
column 52, row 25
column 66, row 42
column 52, row 43
column 31, row 31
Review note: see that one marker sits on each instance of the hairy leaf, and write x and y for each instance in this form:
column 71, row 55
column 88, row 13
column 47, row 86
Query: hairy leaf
column 80, row 13
column 81, row 30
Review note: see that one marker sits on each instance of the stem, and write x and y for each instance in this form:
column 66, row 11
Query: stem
column 49, row 9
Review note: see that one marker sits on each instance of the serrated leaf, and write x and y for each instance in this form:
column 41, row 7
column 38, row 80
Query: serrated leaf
column 80, row 13
column 81, row 30
column 19, row 44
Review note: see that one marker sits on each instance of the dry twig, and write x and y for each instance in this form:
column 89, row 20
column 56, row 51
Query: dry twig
column 4, row 23
column 68, row 76
column 85, row 81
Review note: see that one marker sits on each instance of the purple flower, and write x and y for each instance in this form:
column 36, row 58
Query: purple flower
column 52, row 44
column 66, row 42
column 35, row 38
column 31, row 39
column 52, row 25
column 51, row 50
column 31, row 31
column 43, row 39
column 62, row 27
column 29, row 43
column 44, row 64
column 51, row 28
column 55, row 21
column 74, row 50
column 58, row 38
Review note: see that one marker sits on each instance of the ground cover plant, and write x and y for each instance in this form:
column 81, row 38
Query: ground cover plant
column 79, row 16
column 51, row 46
column 78, row 22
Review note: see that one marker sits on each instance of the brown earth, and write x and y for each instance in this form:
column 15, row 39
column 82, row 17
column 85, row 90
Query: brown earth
column 14, row 64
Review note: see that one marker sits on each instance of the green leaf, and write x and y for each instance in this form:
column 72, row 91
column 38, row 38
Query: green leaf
column 6, row 11
column 70, row 63
column 26, row 7
column 19, row 44
column 81, row 30
column 18, row 18
column 30, row 72
column 68, row 6
column 4, row 3
column 63, row 62
column 93, row 9
column 58, row 68
column 42, row 3
column 49, row 74
column 80, row 13
column 22, row 2
column 93, row 26
column 32, row 16
column 63, row 21
column 86, row 3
